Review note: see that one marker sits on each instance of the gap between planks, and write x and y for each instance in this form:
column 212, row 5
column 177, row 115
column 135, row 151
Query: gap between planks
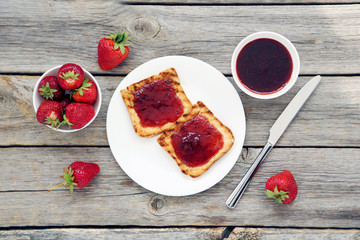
column 228, row 229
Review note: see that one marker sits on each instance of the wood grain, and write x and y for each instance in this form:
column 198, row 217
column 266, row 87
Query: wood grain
column 293, row 234
column 37, row 35
column 331, row 117
column 327, row 181
column 179, row 233
column 133, row 233
column 321, row 147
column 239, row 2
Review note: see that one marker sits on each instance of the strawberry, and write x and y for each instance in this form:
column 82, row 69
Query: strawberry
column 50, row 113
column 79, row 174
column 77, row 115
column 87, row 93
column 64, row 102
column 282, row 187
column 50, row 89
column 113, row 50
column 70, row 76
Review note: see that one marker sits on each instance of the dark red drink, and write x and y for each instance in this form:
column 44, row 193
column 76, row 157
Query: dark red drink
column 264, row 66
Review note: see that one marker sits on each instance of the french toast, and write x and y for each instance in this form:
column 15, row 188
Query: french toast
column 153, row 112
column 199, row 112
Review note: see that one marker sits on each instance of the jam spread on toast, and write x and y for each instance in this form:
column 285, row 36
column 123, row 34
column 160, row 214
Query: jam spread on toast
column 156, row 104
column 197, row 141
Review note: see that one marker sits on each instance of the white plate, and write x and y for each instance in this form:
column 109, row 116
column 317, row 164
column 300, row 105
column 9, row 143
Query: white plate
column 143, row 160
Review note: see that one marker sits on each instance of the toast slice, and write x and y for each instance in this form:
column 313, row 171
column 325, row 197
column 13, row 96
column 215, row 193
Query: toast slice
column 170, row 76
column 165, row 140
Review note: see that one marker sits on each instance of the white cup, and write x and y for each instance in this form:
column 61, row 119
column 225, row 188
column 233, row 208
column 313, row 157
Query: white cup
column 293, row 54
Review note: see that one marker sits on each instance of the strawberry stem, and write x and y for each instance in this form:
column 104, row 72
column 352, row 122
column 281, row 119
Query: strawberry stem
column 65, row 121
column 63, row 183
column 69, row 180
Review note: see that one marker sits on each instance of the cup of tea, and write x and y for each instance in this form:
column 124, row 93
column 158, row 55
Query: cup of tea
column 265, row 65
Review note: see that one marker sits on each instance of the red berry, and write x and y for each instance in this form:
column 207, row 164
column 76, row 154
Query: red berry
column 64, row 102
column 50, row 113
column 84, row 173
column 87, row 93
column 113, row 50
column 50, row 89
column 282, row 187
column 70, row 76
column 79, row 174
column 77, row 115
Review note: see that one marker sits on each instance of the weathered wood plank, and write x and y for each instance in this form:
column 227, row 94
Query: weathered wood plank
column 327, row 181
column 133, row 233
column 331, row 117
column 238, row 2
column 179, row 233
column 294, row 234
column 37, row 35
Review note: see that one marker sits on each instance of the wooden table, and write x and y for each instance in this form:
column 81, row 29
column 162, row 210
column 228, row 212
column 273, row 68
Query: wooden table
column 321, row 147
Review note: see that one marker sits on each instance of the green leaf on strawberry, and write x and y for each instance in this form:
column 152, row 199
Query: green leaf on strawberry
column 85, row 86
column 279, row 196
column 69, row 180
column 54, row 123
column 69, row 74
column 47, row 92
column 119, row 40
column 66, row 121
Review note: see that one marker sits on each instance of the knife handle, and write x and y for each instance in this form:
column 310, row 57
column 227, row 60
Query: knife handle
column 240, row 189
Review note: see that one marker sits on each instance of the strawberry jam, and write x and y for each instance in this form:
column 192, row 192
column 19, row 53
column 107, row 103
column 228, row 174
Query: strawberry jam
column 197, row 141
column 264, row 66
column 156, row 104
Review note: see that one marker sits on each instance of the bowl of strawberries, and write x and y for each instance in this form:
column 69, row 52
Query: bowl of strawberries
column 67, row 98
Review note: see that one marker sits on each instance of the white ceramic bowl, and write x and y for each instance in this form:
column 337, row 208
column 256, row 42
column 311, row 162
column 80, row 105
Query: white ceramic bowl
column 37, row 99
column 287, row 44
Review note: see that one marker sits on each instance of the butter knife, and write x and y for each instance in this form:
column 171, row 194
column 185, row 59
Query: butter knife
column 276, row 131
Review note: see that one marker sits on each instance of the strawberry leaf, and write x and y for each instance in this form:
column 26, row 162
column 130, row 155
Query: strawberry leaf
column 122, row 49
column 47, row 92
column 54, row 123
column 85, row 86
column 119, row 40
column 69, row 180
column 279, row 196
column 69, row 74
column 66, row 121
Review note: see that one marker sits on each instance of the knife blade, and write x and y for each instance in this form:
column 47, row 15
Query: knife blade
column 276, row 131
column 286, row 117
